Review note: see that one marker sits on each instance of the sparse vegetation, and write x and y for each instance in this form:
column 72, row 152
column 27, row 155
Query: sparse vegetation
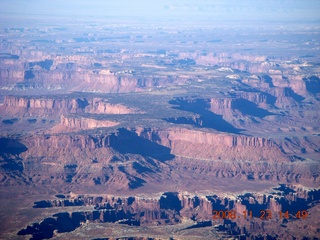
column 10, row 121
column 32, row 120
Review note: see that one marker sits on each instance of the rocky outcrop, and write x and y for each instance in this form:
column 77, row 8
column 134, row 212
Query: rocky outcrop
column 10, row 77
column 220, row 58
column 211, row 146
column 242, row 214
column 74, row 73
column 81, row 123
column 312, row 84
column 222, row 106
column 285, row 97
column 87, row 81
column 261, row 99
column 225, row 113
column 57, row 105
column 130, row 159
column 227, row 106
column 206, row 115
column 42, row 106
column 294, row 82
column 101, row 106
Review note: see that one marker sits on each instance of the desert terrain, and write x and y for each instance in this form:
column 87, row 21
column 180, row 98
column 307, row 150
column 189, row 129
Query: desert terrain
column 117, row 131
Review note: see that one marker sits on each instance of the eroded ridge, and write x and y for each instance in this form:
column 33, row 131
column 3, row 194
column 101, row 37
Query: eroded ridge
column 245, row 215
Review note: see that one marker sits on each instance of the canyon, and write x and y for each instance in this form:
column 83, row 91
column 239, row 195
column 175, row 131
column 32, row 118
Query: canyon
column 172, row 208
column 120, row 132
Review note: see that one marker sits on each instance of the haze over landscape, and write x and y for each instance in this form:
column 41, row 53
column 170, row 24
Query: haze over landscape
column 273, row 11
column 159, row 119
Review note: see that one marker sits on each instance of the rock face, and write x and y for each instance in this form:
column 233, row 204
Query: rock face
column 222, row 106
column 243, row 214
column 208, row 146
column 13, row 101
column 14, row 105
column 132, row 159
column 100, row 106
column 285, row 97
column 57, row 105
column 242, row 62
column 197, row 144
column 73, row 73
column 261, row 99
column 79, row 123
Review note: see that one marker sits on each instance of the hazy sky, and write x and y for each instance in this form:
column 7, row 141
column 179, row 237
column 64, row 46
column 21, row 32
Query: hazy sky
column 193, row 10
